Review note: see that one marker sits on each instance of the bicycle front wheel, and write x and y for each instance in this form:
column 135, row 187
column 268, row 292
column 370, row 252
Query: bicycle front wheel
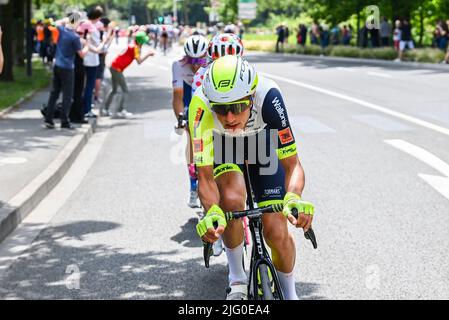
column 264, row 283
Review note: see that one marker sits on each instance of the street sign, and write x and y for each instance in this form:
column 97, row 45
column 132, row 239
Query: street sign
column 247, row 9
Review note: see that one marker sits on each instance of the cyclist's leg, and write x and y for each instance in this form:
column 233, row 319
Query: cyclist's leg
column 268, row 190
column 231, row 186
column 191, row 169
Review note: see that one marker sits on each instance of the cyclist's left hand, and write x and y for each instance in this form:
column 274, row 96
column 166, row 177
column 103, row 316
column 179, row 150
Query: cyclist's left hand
column 305, row 211
column 205, row 228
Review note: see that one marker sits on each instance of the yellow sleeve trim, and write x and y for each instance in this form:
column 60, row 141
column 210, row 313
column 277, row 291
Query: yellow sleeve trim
column 287, row 152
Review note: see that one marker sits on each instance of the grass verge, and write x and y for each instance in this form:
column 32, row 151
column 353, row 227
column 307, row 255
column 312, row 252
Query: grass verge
column 11, row 92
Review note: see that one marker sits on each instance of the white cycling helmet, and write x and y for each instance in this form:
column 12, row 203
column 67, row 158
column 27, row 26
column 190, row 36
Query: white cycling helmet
column 195, row 46
column 224, row 44
column 229, row 79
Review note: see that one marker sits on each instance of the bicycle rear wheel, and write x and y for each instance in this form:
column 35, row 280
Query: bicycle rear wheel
column 265, row 283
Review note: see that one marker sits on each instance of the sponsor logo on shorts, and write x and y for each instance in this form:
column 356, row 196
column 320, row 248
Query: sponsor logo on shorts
column 225, row 168
column 285, row 136
column 273, row 192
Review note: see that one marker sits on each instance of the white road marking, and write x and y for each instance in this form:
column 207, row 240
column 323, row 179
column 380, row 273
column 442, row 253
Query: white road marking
column 442, row 116
column 381, row 122
column 346, row 69
column 441, row 184
column 379, row 74
column 310, row 125
column 22, row 238
column 13, row 160
column 363, row 103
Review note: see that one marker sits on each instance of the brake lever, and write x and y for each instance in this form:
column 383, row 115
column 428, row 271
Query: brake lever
column 208, row 249
column 309, row 234
column 207, row 253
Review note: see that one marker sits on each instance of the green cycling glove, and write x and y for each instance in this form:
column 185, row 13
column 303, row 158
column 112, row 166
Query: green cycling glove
column 293, row 201
column 215, row 214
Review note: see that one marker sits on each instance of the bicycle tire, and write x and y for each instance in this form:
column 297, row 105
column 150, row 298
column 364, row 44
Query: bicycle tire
column 267, row 294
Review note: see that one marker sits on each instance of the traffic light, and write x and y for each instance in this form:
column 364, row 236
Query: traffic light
column 161, row 19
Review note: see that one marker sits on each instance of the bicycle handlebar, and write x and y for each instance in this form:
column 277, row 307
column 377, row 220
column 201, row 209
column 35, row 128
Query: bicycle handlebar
column 309, row 234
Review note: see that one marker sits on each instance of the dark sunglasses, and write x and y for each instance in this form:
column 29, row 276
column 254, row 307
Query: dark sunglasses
column 197, row 61
column 234, row 107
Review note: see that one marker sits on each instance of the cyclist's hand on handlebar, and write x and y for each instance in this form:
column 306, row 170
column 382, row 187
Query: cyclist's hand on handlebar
column 205, row 228
column 305, row 211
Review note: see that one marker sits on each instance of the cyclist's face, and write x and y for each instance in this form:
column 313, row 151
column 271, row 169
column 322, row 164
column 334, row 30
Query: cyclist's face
column 234, row 122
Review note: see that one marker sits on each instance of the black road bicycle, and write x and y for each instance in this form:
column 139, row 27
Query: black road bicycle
column 263, row 281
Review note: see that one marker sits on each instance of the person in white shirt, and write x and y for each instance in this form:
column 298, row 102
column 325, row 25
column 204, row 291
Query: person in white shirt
column 92, row 59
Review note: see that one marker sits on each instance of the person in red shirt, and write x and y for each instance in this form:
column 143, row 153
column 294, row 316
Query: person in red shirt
column 118, row 65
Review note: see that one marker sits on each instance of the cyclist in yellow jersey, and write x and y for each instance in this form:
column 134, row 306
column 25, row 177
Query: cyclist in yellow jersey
column 235, row 117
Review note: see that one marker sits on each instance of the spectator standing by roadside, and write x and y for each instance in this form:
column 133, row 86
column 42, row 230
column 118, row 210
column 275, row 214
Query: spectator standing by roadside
column 397, row 35
column 446, row 59
column 1, row 51
column 442, row 34
column 301, row 37
column 406, row 39
column 385, row 32
column 346, row 36
column 280, row 31
column 68, row 46
column 324, row 38
column 314, row 33
column 119, row 64
column 374, row 37
column 92, row 59
column 364, row 37
column 105, row 32
column 287, row 34
column 77, row 108
column 335, row 35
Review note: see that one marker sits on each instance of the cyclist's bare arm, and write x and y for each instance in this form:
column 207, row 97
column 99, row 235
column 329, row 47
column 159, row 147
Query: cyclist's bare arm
column 207, row 187
column 294, row 175
column 209, row 195
column 294, row 182
column 178, row 103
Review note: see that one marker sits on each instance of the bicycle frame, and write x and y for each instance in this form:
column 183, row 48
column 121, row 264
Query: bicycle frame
column 259, row 253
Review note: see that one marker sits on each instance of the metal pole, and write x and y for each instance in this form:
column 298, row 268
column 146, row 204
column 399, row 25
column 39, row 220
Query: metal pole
column 129, row 11
column 29, row 38
column 175, row 11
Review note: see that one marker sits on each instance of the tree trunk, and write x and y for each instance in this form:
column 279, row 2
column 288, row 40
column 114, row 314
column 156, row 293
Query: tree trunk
column 19, row 14
column 186, row 13
column 6, row 22
column 421, row 28
column 358, row 29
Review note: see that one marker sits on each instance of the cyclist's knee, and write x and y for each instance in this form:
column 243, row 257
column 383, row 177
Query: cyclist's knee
column 276, row 233
column 232, row 200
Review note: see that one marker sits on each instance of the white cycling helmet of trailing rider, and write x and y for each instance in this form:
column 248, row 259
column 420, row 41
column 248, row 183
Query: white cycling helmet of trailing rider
column 224, row 44
column 229, row 79
column 195, row 46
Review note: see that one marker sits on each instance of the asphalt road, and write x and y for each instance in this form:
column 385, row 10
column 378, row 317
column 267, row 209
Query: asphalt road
column 374, row 143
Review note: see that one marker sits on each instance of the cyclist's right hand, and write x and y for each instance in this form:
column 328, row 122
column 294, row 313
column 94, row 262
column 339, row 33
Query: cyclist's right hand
column 205, row 228
column 179, row 130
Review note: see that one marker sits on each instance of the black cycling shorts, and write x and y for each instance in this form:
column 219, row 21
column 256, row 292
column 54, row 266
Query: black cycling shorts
column 267, row 177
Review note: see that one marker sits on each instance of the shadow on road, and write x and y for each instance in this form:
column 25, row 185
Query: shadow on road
column 46, row 270
column 188, row 236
